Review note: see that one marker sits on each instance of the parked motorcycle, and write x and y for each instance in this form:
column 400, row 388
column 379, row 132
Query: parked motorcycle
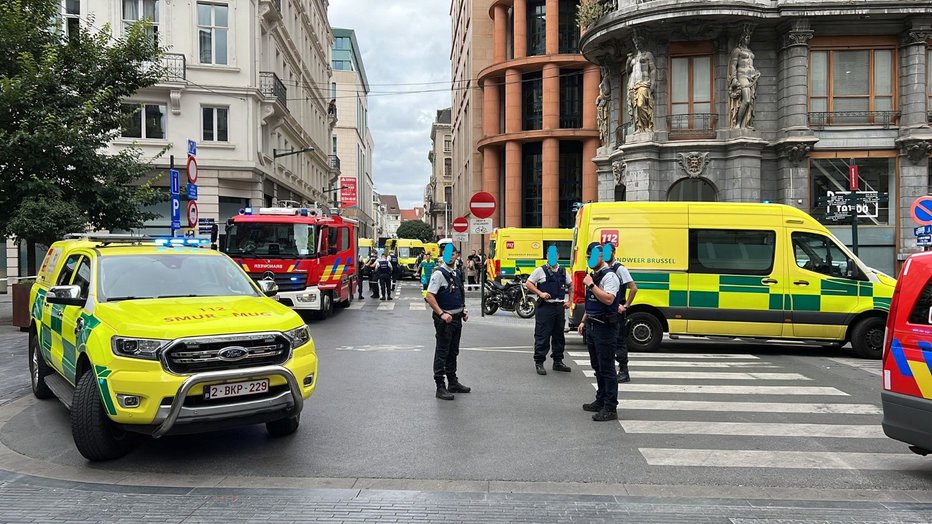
column 510, row 296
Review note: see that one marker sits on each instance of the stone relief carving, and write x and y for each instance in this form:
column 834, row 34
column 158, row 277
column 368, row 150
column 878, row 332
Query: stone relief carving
column 642, row 83
column 618, row 172
column 798, row 152
column 797, row 34
column 916, row 36
column 693, row 162
column 916, row 150
column 742, row 82
column 603, row 107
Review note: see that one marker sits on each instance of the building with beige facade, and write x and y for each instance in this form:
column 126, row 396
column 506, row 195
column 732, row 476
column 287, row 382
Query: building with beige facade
column 438, row 198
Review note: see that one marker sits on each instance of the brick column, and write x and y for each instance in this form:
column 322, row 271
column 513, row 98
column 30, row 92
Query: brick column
column 551, row 79
column 512, row 200
column 491, row 160
column 491, row 103
column 550, row 185
column 520, row 28
column 500, row 33
column 553, row 27
column 590, row 179
column 591, row 79
column 512, row 101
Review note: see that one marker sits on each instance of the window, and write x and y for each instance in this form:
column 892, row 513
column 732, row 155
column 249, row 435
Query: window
column 447, row 194
column 531, row 173
column 922, row 309
column 216, row 124
column 333, row 139
column 533, row 92
column 447, row 167
column 146, row 121
column 333, row 90
column 344, row 238
column 564, row 249
column 571, row 100
column 72, row 20
column 536, row 28
column 875, row 174
column 67, row 271
column 212, row 27
column 447, row 144
column 343, row 65
column 569, row 31
column 342, row 42
column 134, row 10
column 82, row 277
column 690, row 89
column 731, row 252
column 820, row 254
column 570, row 181
column 852, row 82
column 692, row 190
column 929, row 82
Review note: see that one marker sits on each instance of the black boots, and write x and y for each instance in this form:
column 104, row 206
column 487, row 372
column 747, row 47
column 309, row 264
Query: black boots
column 605, row 414
column 442, row 392
column 540, row 368
column 592, row 407
column 623, row 376
column 446, row 393
column 455, row 386
column 560, row 366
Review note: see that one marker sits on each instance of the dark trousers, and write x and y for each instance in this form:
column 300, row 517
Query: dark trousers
column 548, row 331
column 447, row 348
column 471, row 280
column 621, row 350
column 385, row 283
column 360, row 285
column 601, row 339
column 374, row 288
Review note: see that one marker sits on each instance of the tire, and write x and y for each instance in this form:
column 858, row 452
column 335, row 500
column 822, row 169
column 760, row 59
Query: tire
column 645, row 332
column 490, row 307
column 38, row 370
column 526, row 308
column 867, row 337
column 95, row 435
column 283, row 427
column 326, row 304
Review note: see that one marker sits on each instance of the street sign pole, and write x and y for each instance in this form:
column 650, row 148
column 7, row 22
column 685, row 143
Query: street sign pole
column 485, row 262
column 171, row 167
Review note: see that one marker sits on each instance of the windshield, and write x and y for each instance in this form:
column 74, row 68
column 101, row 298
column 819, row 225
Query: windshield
column 410, row 252
column 269, row 240
column 128, row 277
column 364, row 252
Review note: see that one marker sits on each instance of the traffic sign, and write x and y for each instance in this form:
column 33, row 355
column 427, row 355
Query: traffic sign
column 460, row 225
column 192, row 213
column 205, row 226
column 460, row 237
column 176, row 212
column 192, row 148
column 175, row 182
column 192, row 191
column 192, row 170
column 480, row 226
column 921, row 210
column 482, row 205
column 924, row 240
column 922, row 230
column 853, row 179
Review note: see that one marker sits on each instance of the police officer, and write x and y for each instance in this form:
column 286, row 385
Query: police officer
column 627, row 298
column 396, row 272
column 362, row 273
column 371, row 266
column 447, row 298
column 550, row 282
column 599, row 326
column 384, row 270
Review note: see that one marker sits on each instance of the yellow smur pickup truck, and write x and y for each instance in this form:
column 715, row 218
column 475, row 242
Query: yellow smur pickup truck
column 157, row 336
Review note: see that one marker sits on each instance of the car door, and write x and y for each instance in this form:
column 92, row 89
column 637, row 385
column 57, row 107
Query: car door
column 75, row 319
column 50, row 332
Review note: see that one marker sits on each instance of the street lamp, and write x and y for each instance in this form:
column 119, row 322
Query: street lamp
column 336, row 202
column 278, row 153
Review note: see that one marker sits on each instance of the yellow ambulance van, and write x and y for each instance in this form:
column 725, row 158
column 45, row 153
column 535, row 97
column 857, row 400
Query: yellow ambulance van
column 518, row 251
column 407, row 250
column 763, row 271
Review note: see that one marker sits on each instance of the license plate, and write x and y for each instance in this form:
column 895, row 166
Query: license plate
column 236, row 389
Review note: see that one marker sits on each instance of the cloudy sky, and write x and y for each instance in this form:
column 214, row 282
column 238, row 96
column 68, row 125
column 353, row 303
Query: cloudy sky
column 402, row 42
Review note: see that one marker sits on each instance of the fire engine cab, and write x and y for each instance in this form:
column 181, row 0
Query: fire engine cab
column 308, row 252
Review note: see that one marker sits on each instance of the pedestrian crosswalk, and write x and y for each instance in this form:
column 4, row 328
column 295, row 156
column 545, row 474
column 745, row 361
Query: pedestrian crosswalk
column 719, row 410
column 388, row 306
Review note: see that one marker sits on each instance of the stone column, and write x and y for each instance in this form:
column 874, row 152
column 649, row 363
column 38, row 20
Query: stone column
column 500, row 33
column 520, row 28
column 590, row 179
column 591, row 79
column 491, row 102
column 553, row 27
column 512, row 184
column 512, row 101
column 491, row 160
column 551, row 80
column 793, row 176
column 913, row 77
column 550, row 185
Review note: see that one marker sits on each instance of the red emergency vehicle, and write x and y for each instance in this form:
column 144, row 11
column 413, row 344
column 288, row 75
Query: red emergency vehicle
column 310, row 254
column 907, row 357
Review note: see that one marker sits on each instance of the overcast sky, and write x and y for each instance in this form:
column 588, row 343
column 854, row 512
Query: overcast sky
column 402, row 42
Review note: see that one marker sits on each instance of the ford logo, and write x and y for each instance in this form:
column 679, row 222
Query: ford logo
column 232, row 353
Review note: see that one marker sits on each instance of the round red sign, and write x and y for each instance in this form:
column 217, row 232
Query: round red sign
column 192, row 213
column 460, row 225
column 482, row 205
column 192, row 170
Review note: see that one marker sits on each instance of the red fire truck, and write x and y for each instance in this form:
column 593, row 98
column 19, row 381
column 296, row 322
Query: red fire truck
column 310, row 254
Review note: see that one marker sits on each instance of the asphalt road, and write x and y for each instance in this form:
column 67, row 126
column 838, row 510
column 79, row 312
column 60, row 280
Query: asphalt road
column 708, row 417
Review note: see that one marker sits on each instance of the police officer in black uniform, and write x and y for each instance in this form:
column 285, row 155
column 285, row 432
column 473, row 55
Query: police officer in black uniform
column 396, row 272
column 549, row 282
column 628, row 292
column 447, row 298
column 384, row 271
column 371, row 268
column 599, row 326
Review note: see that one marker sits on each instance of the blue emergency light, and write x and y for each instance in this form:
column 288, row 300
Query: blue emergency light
column 180, row 242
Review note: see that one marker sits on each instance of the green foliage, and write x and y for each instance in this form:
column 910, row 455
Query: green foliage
column 60, row 105
column 416, row 229
column 591, row 10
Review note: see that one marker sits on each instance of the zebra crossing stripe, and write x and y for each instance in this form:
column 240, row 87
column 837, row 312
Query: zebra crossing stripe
column 729, row 390
column 701, row 364
column 415, row 306
column 357, row 305
column 718, row 375
column 720, row 458
column 871, row 366
column 753, row 429
column 386, row 306
column 750, row 407
column 686, row 357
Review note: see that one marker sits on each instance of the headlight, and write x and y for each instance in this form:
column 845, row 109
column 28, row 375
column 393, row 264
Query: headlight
column 299, row 336
column 145, row 348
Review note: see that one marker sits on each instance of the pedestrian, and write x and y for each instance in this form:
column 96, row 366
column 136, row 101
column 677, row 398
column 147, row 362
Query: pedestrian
column 426, row 268
column 372, row 266
column 447, row 299
column 472, row 268
column 630, row 289
column 385, row 277
column 362, row 274
column 600, row 328
column 550, row 283
column 396, row 270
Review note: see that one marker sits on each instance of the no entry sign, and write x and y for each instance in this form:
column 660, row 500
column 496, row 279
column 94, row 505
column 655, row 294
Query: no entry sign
column 482, row 205
column 460, row 225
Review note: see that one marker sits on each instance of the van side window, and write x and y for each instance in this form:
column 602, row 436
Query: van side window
column 564, row 249
column 731, row 252
column 67, row 271
column 820, row 254
column 82, row 277
column 922, row 310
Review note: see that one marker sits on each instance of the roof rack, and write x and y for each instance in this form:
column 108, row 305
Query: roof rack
column 110, row 238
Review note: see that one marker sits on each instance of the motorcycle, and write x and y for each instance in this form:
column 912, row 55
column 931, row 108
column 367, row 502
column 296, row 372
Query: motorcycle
column 510, row 296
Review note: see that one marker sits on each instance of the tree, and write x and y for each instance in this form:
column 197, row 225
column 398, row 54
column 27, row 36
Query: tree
column 60, row 105
column 416, row 229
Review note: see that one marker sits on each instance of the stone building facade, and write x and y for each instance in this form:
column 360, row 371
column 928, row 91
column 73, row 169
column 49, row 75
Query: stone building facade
column 438, row 196
column 770, row 101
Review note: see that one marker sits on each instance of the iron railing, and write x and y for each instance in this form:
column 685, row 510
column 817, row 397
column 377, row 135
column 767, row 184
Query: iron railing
column 692, row 125
column 886, row 119
column 570, row 121
column 334, row 162
column 278, row 5
column 272, row 87
column 176, row 67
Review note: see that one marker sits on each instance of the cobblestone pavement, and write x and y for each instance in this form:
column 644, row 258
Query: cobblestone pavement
column 13, row 382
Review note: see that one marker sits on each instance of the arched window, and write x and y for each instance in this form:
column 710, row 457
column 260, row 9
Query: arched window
column 692, row 190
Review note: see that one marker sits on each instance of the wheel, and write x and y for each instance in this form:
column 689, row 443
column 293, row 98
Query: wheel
column 867, row 337
column 38, row 370
column 283, row 427
column 95, row 435
column 326, row 306
column 490, row 307
column 526, row 308
column 645, row 333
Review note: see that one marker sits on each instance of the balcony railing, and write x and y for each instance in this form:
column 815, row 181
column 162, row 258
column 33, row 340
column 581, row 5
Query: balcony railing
column 692, row 126
column 278, row 5
column 886, row 119
column 272, row 87
column 175, row 67
column 570, row 121
column 334, row 162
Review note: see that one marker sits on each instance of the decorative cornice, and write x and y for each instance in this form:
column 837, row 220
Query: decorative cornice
column 796, row 151
column 919, row 36
column 915, row 149
column 693, row 163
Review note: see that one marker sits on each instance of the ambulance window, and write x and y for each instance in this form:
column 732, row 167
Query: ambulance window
column 491, row 249
column 731, row 252
column 82, row 276
column 67, row 271
column 564, row 249
column 819, row 254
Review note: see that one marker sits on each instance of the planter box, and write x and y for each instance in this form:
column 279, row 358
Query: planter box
column 21, row 309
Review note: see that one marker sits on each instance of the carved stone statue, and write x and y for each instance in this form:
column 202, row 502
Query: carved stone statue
column 742, row 83
column 642, row 82
column 603, row 107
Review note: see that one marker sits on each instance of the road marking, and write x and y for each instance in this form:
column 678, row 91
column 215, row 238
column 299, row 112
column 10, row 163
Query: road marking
column 499, row 350
column 871, row 366
column 417, row 306
column 381, row 348
column 720, row 375
column 357, row 305
column 719, row 458
column 706, row 364
column 731, row 390
column 681, row 355
column 386, row 306
column 753, row 429
column 750, row 407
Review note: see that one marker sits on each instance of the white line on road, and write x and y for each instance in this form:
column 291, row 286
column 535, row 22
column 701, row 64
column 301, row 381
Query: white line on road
column 750, row 407
column 499, row 350
column 685, row 356
column 670, row 364
column 720, row 375
column 386, row 306
column 871, row 366
column 753, row 429
column 720, row 458
column 357, row 305
column 732, row 390
column 417, row 306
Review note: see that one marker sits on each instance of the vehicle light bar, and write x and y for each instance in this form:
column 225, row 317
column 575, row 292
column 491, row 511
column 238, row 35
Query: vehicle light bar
column 182, row 242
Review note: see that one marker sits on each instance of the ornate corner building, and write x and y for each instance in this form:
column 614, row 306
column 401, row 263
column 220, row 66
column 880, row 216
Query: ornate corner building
column 768, row 100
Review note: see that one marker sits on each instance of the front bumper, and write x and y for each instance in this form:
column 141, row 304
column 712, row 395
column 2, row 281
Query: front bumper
column 308, row 300
column 907, row 419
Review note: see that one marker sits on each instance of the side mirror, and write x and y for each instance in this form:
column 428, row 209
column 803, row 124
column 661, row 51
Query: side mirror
column 268, row 287
column 65, row 296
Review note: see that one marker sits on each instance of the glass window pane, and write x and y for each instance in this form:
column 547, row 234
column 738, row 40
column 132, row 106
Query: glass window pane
column 73, row 7
column 151, row 10
column 207, row 117
column 704, row 107
column 133, row 126
column 702, row 71
column 221, row 52
column 883, row 72
column 818, row 105
column 876, row 174
column 679, row 80
column 851, row 104
column 203, row 15
column 221, row 16
column 884, row 103
column 155, row 121
column 819, row 73
column 223, row 125
column 733, row 252
column 850, row 72
column 130, row 10
column 205, row 42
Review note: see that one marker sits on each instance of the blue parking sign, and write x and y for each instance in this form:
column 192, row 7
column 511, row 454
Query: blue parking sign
column 192, row 191
column 192, row 148
column 175, row 182
column 176, row 212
